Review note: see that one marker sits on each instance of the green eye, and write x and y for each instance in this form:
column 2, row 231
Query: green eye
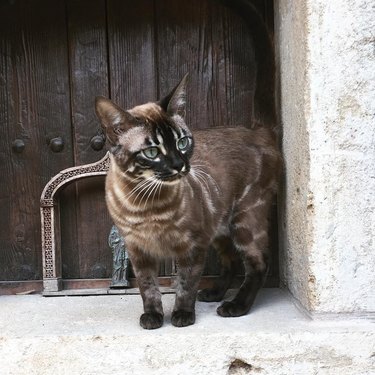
column 151, row 152
column 183, row 143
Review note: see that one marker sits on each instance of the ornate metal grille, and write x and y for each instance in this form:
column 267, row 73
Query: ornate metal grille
column 49, row 206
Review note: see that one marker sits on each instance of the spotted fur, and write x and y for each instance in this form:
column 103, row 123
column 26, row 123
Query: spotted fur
column 215, row 191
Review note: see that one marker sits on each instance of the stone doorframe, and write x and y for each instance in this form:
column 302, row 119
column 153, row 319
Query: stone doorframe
column 50, row 218
column 326, row 89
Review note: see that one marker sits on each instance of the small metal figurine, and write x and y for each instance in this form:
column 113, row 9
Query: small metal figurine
column 120, row 260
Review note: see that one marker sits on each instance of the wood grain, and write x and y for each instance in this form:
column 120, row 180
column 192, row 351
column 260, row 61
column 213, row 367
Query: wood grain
column 131, row 52
column 88, row 66
column 35, row 109
column 212, row 44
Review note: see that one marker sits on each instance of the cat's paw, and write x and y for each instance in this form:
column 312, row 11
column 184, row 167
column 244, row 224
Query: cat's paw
column 228, row 309
column 182, row 318
column 210, row 295
column 151, row 320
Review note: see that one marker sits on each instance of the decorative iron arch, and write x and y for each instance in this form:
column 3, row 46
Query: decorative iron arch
column 50, row 218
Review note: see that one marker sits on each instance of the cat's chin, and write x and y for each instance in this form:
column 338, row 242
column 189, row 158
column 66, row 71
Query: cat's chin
column 172, row 181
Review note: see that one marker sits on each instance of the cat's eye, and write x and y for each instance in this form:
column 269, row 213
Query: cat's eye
column 183, row 143
column 151, row 152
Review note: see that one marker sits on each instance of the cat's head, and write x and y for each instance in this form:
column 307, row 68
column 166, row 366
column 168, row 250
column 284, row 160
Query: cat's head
column 149, row 140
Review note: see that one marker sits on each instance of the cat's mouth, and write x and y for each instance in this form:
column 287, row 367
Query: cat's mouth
column 173, row 176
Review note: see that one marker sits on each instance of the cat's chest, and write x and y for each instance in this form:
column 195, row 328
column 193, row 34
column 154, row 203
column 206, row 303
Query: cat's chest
column 159, row 238
column 162, row 232
column 167, row 228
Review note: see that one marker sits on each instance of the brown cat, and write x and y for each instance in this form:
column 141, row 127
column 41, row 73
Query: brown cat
column 173, row 193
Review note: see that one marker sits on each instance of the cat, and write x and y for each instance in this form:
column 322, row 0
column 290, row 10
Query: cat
column 173, row 193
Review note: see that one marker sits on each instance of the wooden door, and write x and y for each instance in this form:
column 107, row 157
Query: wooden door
column 55, row 57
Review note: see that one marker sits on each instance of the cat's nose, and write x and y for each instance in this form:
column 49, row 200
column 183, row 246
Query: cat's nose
column 185, row 170
column 178, row 165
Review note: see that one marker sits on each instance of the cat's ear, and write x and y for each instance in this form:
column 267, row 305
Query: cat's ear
column 114, row 119
column 175, row 102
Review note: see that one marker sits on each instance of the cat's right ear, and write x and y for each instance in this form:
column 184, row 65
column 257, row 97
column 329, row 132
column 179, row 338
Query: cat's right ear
column 175, row 102
column 114, row 120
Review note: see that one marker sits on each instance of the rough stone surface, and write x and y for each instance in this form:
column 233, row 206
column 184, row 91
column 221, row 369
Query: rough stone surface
column 101, row 335
column 327, row 72
column 342, row 149
column 294, row 108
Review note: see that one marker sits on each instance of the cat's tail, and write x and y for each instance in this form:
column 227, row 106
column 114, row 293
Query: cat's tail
column 264, row 97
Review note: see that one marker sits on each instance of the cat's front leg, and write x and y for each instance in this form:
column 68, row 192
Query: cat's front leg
column 146, row 271
column 190, row 269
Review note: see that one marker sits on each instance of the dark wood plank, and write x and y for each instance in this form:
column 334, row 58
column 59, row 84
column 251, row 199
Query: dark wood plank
column 89, row 78
column 20, row 287
column 34, row 70
column 9, row 257
column 269, row 17
column 213, row 44
column 182, row 48
column 88, row 66
column 131, row 52
column 236, row 69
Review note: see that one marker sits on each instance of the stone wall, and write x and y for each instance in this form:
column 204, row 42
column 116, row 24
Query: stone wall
column 326, row 60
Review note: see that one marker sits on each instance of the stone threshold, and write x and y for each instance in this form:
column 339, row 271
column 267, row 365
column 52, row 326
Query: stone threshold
column 100, row 335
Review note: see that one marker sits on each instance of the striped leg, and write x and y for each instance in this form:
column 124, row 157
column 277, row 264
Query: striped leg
column 225, row 249
column 189, row 274
column 250, row 236
column 146, row 272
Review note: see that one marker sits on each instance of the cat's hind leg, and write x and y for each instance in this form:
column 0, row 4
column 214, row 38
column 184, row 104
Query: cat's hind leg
column 226, row 250
column 250, row 236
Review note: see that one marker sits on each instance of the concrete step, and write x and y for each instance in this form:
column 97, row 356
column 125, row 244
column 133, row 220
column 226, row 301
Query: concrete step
column 101, row 335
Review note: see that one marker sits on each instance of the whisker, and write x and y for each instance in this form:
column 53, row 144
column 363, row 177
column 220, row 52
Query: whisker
column 201, row 178
column 211, row 178
column 142, row 182
column 146, row 192
column 138, row 186
column 155, row 185
column 129, row 194
column 160, row 186
column 130, row 182
column 205, row 184
column 137, row 190
column 144, row 189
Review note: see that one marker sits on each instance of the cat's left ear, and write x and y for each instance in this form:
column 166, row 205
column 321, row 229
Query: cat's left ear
column 175, row 102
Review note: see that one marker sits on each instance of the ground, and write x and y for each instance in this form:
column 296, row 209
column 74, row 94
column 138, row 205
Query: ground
column 101, row 335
